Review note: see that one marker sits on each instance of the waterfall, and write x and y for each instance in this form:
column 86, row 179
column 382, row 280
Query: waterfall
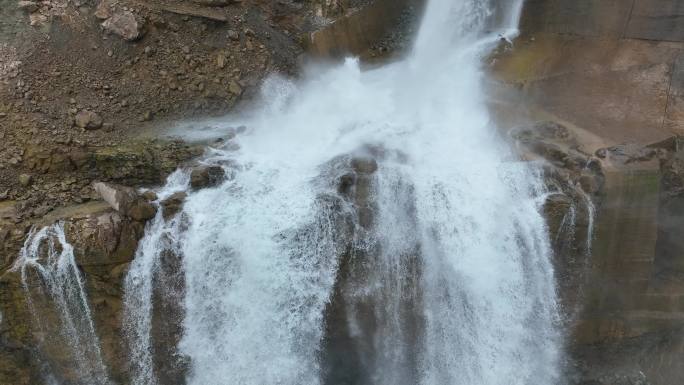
column 147, row 270
column 372, row 230
column 59, row 306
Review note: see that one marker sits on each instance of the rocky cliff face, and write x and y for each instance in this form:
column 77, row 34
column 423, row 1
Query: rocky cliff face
column 604, row 81
column 622, row 57
column 610, row 72
column 82, row 83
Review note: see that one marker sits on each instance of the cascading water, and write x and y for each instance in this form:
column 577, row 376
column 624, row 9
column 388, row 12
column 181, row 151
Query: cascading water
column 59, row 306
column 373, row 231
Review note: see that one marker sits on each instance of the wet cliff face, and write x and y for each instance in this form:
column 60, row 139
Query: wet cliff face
column 596, row 74
column 612, row 68
column 105, row 243
column 611, row 71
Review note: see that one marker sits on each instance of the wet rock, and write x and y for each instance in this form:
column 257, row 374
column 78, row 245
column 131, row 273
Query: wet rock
column 346, row 184
column 669, row 259
column 591, row 183
column 364, row 165
column 628, row 153
column 206, row 176
column 141, row 210
column 88, row 120
column 104, row 238
column 150, row 195
column 124, row 24
column 173, row 204
column 125, row 200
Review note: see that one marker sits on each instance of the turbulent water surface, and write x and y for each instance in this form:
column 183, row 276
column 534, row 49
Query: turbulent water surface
column 372, row 230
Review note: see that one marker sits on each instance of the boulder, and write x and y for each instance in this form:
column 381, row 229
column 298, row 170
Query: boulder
column 88, row 120
column 173, row 204
column 141, row 210
column 124, row 24
column 150, row 195
column 105, row 238
column 206, row 176
column 126, row 201
column 363, row 165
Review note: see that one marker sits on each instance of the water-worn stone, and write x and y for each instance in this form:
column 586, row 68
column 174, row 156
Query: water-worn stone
column 173, row 204
column 364, row 165
column 150, row 195
column 206, row 176
column 125, row 200
column 125, row 25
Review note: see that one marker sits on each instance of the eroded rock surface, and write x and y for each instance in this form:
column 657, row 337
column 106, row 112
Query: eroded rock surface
column 126, row 201
column 206, row 176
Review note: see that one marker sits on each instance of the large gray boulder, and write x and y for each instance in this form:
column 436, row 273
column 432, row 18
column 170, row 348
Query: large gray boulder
column 126, row 201
column 206, row 176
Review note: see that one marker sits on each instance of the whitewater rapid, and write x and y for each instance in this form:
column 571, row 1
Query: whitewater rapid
column 441, row 259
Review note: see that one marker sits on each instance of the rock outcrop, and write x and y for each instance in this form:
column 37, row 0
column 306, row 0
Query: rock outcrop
column 75, row 93
column 173, row 204
column 611, row 72
column 126, row 201
column 105, row 242
column 206, row 176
